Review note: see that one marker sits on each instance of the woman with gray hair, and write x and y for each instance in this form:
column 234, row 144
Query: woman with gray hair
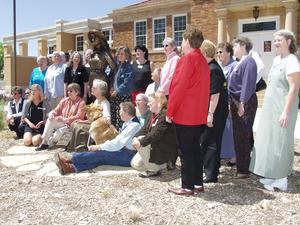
column 80, row 129
column 273, row 153
column 171, row 52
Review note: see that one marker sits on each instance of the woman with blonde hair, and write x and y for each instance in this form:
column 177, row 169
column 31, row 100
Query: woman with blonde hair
column 217, row 114
column 156, row 141
column 34, row 116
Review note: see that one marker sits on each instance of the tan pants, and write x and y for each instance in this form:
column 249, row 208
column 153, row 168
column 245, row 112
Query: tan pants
column 141, row 162
column 49, row 137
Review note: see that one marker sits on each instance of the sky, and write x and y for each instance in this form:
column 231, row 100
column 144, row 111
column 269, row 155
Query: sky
column 38, row 14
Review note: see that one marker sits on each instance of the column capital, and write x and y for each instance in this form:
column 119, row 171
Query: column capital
column 221, row 13
column 290, row 5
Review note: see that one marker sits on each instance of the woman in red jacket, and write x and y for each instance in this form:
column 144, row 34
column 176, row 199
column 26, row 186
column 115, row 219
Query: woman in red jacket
column 188, row 109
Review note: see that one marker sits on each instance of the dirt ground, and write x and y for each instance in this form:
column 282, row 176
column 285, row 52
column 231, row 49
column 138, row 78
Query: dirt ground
column 26, row 198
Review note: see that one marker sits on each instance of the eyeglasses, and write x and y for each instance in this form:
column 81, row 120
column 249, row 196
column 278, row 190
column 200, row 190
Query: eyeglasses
column 70, row 91
column 219, row 52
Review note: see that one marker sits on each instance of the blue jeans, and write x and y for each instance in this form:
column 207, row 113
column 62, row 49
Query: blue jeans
column 90, row 160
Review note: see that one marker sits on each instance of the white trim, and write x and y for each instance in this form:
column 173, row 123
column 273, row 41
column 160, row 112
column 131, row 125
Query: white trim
column 173, row 23
column 259, row 20
column 153, row 38
column 76, row 46
column 134, row 30
column 110, row 39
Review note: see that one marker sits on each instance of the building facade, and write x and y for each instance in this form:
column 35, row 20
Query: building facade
column 150, row 21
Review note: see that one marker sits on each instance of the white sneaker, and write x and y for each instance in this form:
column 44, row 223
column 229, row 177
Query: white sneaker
column 281, row 184
column 266, row 181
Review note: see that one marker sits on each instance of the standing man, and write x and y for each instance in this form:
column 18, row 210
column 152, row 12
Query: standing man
column 188, row 109
column 14, row 114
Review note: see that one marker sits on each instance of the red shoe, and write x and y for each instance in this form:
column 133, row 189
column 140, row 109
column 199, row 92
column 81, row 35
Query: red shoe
column 181, row 191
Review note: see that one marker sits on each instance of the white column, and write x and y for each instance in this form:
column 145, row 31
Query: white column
column 291, row 7
column 222, row 24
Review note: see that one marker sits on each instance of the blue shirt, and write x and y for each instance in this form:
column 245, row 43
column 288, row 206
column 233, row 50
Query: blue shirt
column 54, row 81
column 124, row 139
column 37, row 77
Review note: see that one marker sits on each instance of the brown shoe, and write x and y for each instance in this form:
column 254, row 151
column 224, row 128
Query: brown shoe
column 181, row 191
column 242, row 176
column 64, row 167
column 198, row 189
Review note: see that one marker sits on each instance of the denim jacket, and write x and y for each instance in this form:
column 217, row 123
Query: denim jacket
column 124, row 76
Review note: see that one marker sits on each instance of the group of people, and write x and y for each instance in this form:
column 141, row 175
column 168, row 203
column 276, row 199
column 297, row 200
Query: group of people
column 200, row 106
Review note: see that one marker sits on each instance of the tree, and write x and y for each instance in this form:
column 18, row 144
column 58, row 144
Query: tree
column 1, row 61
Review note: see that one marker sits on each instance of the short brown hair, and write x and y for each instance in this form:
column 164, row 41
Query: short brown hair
column 128, row 107
column 194, row 36
column 208, row 48
column 244, row 41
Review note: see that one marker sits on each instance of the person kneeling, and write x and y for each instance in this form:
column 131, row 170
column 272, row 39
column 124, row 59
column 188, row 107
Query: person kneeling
column 156, row 141
column 118, row 151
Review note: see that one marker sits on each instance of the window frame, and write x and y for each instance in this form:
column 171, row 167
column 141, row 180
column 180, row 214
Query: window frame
column 173, row 25
column 110, row 39
column 76, row 44
column 135, row 22
column 153, row 34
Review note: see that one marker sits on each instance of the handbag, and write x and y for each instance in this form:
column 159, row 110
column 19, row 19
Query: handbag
column 261, row 85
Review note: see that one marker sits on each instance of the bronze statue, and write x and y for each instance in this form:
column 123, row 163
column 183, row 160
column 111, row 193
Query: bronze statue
column 102, row 63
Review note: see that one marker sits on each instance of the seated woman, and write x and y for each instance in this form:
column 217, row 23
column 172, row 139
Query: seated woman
column 34, row 116
column 118, row 151
column 67, row 111
column 156, row 141
column 80, row 129
column 142, row 109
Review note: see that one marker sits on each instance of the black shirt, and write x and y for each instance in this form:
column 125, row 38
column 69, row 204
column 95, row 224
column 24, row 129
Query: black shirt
column 142, row 76
column 80, row 76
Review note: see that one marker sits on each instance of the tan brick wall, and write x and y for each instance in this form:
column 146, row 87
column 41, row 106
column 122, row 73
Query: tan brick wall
column 123, row 34
column 204, row 18
column 24, row 68
column 65, row 41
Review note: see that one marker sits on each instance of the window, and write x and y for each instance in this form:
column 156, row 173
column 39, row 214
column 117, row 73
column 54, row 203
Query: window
column 159, row 32
column 179, row 27
column 51, row 49
column 261, row 26
column 108, row 35
column 79, row 43
column 140, row 32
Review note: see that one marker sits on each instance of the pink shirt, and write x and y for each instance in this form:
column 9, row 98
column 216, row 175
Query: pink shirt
column 72, row 110
column 167, row 72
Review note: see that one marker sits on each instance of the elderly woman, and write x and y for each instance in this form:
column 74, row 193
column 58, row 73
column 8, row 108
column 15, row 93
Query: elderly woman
column 142, row 109
column 38, row 73
column 243, row 103
column 80, row 129
column 142, row 68
column 217, row 114
column 121, row 85
column 76, row 73
column 54, row 81
column 156, row 141
column 34, row 116
column 67, row 111
column 153, row 87
column 225, row 57
column 273, row 154
column 168, row 69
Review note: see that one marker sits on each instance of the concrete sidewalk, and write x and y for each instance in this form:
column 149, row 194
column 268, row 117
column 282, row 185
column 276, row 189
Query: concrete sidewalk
column 26, row 159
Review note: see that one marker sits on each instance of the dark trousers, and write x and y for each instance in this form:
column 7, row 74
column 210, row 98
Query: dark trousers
column 191, row 154
column 211, row 142
column 15, row 127
column 242, row 128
